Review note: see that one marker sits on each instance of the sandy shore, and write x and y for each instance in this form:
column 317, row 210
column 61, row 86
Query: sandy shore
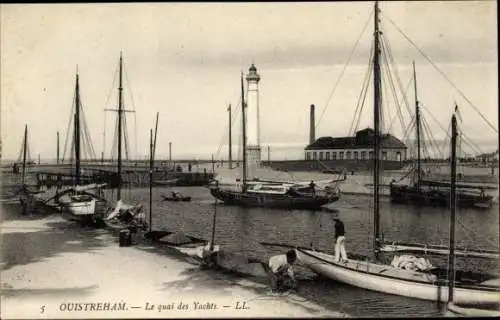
column 52, row 268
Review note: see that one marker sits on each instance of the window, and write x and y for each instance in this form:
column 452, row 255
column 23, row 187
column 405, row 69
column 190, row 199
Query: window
column 398, row 156
column 370, row 154
column 363, row 155
column 334, row 155
column 356, row 155
column 327, row 155
column 321, row 155
column 314, row 155
column 341, row 155
column 308, row 156
column 384, row 155
column 348, row 155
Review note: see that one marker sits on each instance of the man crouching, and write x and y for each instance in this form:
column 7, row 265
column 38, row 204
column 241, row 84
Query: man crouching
column 280, row 271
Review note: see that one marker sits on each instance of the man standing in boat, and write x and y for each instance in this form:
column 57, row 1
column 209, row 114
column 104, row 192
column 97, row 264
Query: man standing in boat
column 312, row 185
column 340, row 253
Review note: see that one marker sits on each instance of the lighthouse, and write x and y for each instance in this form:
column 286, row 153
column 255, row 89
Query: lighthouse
column 253, row 126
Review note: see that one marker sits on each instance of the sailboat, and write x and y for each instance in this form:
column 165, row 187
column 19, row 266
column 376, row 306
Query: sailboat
column 437, row 193
column 26, row 194
column 423, row 281
column 272, row 194
column 134, row 210
column 77, row 201
column 451, row 306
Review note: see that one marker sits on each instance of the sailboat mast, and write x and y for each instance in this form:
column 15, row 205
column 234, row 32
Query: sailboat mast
column 213, row 226
column 244, row 125
column 376, row 120
column 57, row 153
column 156, row 132
column 417, row 120
column 230, row 158
column 25, row 147
column 451, row 257
column 77, row 131
column 120, row 112
column 151, row 167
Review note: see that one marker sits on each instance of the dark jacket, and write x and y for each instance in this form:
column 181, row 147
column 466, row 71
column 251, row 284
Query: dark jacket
column 339, row 229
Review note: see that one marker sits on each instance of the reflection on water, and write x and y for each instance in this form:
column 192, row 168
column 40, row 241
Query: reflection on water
column 240, row 229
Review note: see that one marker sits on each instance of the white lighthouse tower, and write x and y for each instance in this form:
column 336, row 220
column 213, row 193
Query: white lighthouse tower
column 253, row 124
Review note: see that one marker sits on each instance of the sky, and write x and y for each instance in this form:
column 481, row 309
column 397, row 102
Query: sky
column 184, row 61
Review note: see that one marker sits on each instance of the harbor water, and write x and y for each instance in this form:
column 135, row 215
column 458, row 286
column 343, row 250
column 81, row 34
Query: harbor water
column 240, row 230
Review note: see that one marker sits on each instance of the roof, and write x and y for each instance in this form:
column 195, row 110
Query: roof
column 362, row 140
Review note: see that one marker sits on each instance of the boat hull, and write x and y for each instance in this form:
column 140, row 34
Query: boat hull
column 83, row 211
column 277, row 201
column 177, row 199
column 391, row 280
column 454, row 310
column 410, row 194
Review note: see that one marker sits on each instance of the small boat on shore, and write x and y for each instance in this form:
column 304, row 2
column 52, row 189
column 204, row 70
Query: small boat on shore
column 76, row 200
column 81, row 205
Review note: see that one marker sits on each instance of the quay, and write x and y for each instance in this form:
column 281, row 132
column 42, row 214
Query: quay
column 52, row 268
column 358, row 178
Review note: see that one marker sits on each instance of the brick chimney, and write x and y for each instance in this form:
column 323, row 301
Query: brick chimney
column 312, row 129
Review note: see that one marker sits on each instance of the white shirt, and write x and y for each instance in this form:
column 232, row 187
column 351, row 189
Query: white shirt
column 275, row 262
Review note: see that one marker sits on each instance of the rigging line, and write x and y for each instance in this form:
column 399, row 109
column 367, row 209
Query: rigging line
column 133, row 106
column 384, row 112
column 474, row 147
column 389, row 78
column 135, row 135
column 104, row 136
column 366, row 91
column 21, row 150
column 361, row 104
column 443, row 74
column 469, row 143
column 125, row 137
column 387, row 47
column 446, row 131
column 427, row 137
column 86, row 135
column 426, row 148
column 448, row 136
column 396, row 100
column 400, row 102
column 71, row 119
column 345, row 67
column 393, row 91
column 106, row 105
column 459, row 220
column 432, row 143
column 434, row 140
column 234, row 117
column 409, row 129
column 362, row 94
column 114, row 145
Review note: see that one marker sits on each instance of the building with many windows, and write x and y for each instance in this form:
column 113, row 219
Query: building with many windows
column 359, row 147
